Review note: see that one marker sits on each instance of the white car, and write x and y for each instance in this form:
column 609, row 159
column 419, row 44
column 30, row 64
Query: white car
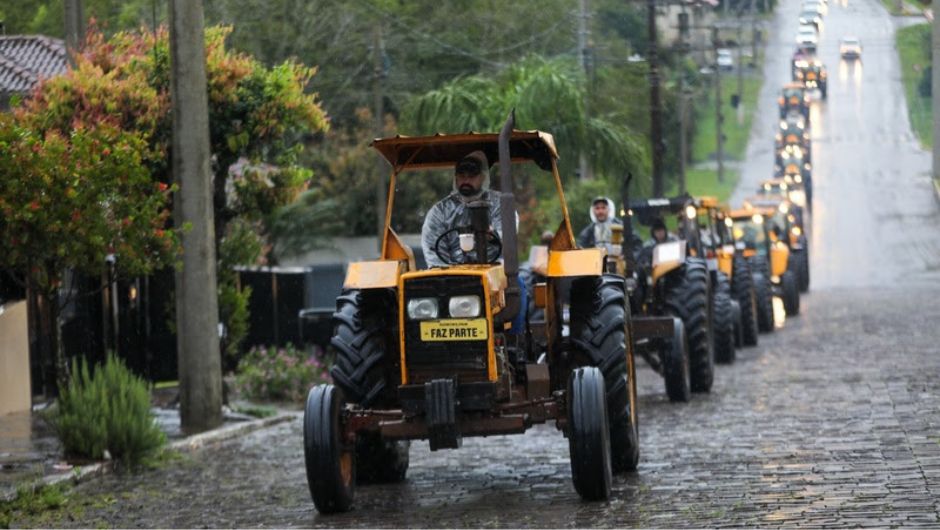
column 724, row 60
column 807, row 35
column 850, row 48
column 815, row 5
column 810, row 18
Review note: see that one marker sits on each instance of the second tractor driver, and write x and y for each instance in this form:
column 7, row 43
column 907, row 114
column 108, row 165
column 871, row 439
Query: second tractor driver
column 599, row 232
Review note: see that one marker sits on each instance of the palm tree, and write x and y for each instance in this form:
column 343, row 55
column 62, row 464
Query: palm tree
column 548, row 94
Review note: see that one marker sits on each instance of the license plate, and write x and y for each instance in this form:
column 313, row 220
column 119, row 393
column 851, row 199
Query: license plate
column 454, row 329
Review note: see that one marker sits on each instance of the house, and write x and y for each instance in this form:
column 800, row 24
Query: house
column 25, row 60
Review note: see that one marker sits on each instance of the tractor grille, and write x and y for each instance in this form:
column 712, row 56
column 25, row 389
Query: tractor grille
column 465, row 361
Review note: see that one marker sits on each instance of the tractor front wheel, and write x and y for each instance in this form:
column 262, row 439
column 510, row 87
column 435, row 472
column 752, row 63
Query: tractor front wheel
column 359, row 344
column 330, row 463
column 589, row 434
column 723, row 320
column 676, row 364
column 742, row 288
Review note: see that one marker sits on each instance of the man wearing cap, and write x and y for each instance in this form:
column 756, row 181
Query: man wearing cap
column 471, row 183
column 599, row 232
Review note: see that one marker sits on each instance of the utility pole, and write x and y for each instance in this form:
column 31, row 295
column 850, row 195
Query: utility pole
column 583, row 167
column 378, row 110
column 656, row 111
column 197, row 309
column 74, row 28
column 935, row 95
column 740, row 65
column 719, row 117
column 683, row 132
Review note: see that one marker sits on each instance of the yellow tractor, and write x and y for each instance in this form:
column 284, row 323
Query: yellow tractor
column 436, row 354
column 732, row 269
column 789, row 217
column 760, row 238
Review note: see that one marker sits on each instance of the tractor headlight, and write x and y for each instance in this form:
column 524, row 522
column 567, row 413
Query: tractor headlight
column 798, row 179
column 783, row 207
column 796, row 231
column 691, row 212
column 422, row 308
column 728, row 222
column 464, row 306
column 758, row 218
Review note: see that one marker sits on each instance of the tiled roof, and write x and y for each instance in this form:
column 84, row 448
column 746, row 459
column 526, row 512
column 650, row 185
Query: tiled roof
column 25, row 59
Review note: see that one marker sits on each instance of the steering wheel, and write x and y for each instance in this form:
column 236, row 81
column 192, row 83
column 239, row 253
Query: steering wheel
column 492, row 239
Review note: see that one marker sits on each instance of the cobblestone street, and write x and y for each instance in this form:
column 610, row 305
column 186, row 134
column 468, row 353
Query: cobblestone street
column 833, row 421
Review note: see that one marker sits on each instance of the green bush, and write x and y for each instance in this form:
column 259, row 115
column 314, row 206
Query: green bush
column 280, row 374
column 108, row 409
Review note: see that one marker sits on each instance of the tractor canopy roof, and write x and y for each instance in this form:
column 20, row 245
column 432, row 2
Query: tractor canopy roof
column 646, row 210
column 706, row 201
column 749, row 212
column 793, row 87
column 445, row 150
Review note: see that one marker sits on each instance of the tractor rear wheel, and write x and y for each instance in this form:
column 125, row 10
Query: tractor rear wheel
column 791, row 293
column 687, row 297
column 589, row 434
column 359, row 344
column 765, row 294
column 330, row 463
column 723, row 320
column 676, row 364
column 380, row 461
column 803, row 268
column 742, row 288
column 599, row 324
column 738, row 334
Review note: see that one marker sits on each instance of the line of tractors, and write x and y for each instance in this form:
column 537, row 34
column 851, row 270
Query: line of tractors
column 493, row 347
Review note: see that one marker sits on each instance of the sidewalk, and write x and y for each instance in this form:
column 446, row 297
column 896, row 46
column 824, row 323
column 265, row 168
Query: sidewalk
column 31, row 455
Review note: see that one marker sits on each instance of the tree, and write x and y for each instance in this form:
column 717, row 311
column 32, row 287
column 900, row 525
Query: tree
column 547, row 95
column 259, row 114
column 68, row 202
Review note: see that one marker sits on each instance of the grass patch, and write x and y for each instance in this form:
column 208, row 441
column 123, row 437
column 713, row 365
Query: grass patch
column 704, row 143
column 257, row 411
column 41, row 505
column 913, row 43
column 705, row 182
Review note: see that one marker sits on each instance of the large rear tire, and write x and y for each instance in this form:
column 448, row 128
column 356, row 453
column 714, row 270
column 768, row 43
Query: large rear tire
column 599, row 324
column 723, row 320
column 359, row 344
column 380, row 461
column 742, row 288
column 688, row 297
column 803, row 268
column 791, row 293
column 589, row 434
column 330, row 463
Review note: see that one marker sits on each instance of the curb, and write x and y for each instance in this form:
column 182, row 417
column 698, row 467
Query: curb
column 936, row 189
column 188, row 444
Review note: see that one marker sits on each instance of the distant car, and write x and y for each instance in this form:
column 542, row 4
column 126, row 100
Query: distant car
column 811, row 18
column 807, row 35
column 815, row 5
column 850, row 48
column 724, row 60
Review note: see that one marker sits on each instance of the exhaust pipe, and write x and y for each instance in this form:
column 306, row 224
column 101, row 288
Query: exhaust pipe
column 507, row 205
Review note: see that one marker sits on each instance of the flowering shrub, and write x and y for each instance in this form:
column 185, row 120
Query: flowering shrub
column 280, row 374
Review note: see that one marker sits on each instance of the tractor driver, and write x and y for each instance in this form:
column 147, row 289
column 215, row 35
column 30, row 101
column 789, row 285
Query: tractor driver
column 658, row 233
column 471, row 183
column 599, row 232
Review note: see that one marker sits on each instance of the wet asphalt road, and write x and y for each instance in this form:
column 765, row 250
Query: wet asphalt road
column 833, row 420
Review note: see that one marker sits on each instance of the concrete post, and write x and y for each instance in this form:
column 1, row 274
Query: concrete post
column 197, row 310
